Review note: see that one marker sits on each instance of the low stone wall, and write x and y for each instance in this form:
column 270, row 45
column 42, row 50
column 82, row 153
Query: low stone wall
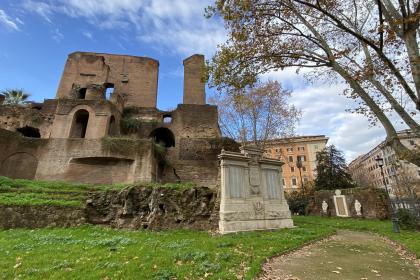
column 154, row 208
column 374, row 203
column 32, row 216
column 132, row 208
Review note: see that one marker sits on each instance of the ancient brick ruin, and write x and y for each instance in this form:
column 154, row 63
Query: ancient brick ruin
column 104, row 127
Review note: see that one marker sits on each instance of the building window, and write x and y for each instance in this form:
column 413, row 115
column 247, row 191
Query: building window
column 167, row 118
column 290, row 158
column 301, row 148
column 305, row 179
column 316, row 147
column 304, row 168
column 81, row 93
column 290, row 149
column 292, row 169
column 294, row 182
column 301, row 158
column 109, row 90
column 412, row 143
column 282, row 181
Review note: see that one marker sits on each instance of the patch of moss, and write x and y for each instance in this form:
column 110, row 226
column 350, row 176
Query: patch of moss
column 121, row 145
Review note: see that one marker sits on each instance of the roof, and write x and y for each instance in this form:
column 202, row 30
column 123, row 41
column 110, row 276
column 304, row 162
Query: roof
column 306, row 138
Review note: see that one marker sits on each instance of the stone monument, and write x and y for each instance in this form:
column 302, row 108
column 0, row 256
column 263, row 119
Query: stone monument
column 340, row 204
column 252, row 196
column 324, row 207
column 358, row 208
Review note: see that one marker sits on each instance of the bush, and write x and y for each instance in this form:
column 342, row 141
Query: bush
column 298, row 201
column 407, row 220
column 130, row 125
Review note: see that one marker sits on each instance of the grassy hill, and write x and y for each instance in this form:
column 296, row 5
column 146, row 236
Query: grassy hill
column 33, row 192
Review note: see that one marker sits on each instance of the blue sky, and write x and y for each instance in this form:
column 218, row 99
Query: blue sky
column 37, row 35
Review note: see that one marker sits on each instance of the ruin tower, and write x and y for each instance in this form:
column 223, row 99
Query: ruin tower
column 194, row 92
column 88, row 76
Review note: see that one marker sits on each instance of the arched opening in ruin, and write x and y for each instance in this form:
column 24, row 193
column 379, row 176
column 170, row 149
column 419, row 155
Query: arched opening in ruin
column 163, row 136
column 19, row 165
column 29, row 131
column 80, row 123
column 81, row 93
column 112, row 128
column 167, row 118
column 109, row 89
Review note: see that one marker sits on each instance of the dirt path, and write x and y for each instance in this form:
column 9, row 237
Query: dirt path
column 347, row 255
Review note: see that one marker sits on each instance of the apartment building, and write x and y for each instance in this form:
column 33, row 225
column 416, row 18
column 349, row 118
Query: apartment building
column 290, row 150
column 366, row 172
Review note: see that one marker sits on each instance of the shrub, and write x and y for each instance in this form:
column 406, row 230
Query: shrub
column 130, row 125
column 298, row 201
column 407, row 220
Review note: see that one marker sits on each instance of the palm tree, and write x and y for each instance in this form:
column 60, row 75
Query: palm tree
column 14, row 96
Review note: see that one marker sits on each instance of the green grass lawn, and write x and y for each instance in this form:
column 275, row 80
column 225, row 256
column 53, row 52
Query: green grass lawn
column 92, row 252
column 34, row 192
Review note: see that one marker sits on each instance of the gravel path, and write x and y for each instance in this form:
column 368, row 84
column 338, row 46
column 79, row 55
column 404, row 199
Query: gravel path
column 347, row 255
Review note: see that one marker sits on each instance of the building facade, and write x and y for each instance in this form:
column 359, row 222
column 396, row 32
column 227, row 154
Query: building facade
column 397, row 173
column 290, row 150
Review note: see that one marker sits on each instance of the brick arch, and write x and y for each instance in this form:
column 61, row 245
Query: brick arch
column 72, row 117
column 79, row 124
column 20, row 165
column 163, row 135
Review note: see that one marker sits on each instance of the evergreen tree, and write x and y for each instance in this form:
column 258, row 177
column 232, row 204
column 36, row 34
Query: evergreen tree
column 332, row 170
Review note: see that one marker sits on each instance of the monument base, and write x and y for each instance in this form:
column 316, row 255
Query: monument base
column 235, row 226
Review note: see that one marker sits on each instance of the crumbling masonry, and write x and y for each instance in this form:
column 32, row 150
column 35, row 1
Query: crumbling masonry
column 104, row 127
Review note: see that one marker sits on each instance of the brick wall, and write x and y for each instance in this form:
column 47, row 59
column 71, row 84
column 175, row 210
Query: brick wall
column 374, row 202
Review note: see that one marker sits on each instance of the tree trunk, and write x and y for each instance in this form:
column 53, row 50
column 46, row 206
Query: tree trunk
column 410, row 39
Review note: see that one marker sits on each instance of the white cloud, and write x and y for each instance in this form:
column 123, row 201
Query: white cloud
column 44, row 10
column 178, row 27
column 88, row 34
column 323, row 112
column 7, row 21
column 57, row 35
column 18, row 20
column 354, row 135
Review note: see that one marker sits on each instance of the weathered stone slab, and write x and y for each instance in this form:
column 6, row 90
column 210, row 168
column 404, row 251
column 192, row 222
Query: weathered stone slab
column 340, row 204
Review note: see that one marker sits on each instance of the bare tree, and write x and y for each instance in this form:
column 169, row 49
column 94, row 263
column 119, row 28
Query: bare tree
column 363, row 179
column 257, row 113
column 370, row 44
column 407, row 185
